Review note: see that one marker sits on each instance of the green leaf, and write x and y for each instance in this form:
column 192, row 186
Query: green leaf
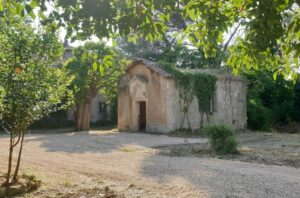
column 107, row 58
column 180, row 40
column 42, row 15
column 19, row 9
column 192, row 14
column 95, row 66
column 29, row 10
column 1, row 5
column 108, row 63
column 101, row 69
column 34, row 3
column 275, row 75
column 83, row 57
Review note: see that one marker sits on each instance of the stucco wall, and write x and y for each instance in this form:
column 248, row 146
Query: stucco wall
column 162, row 102
column 95, row 111
column 231, row 102
column 142, row 84
column 229, row 105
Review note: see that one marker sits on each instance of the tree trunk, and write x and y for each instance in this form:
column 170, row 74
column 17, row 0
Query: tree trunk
column 11, row 149
column 19, row 157
column 83, row 116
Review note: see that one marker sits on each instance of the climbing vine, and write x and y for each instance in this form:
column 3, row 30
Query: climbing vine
column 190, row 85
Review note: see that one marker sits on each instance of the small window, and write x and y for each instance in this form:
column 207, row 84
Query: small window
column 102, row 107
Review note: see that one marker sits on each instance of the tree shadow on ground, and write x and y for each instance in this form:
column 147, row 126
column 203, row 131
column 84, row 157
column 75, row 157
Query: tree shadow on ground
column 101, row 141
column 210, row 177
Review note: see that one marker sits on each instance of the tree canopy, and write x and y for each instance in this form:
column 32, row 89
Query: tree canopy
column 33, row 85
column 270, row 29
column 96, row 68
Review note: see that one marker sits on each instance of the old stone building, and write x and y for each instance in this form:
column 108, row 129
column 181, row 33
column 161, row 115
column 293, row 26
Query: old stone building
column 149, row 100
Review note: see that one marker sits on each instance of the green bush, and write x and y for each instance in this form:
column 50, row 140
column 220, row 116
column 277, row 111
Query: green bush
column 280, row 113
column 258, row 116
column 55, row 120
column 222, row 139
column 271, row 103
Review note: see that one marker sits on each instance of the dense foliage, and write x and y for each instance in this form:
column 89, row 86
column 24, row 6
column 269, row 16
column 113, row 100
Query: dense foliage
column 266, row 32
column 258, row 116
column 29, row 64
column 270, row 102
column 269, row 30
column 222, row 139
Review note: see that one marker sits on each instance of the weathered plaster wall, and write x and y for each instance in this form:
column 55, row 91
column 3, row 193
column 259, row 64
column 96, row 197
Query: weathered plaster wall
column 95, row 113
column 142, row 84
column 175, row 115
column 231, row 102
column 163, row 107
column 229, row 105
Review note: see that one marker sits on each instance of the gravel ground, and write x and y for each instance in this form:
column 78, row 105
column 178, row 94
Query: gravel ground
column 128, row 163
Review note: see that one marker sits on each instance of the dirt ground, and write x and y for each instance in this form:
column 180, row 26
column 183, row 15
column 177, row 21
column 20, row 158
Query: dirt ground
column 135, row 165
column 262, row 148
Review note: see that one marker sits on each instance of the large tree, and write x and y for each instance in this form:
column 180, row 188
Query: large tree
column 180, row 55
column 270, row 29
column 96, row 68
column 33, row 86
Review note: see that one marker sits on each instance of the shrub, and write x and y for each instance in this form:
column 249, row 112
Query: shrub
column 222, row 139
column 271, row 103
column 280, row 113
column 258, row 116
column 55, row 120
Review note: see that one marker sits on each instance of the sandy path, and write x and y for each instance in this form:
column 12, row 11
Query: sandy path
column 125, row 159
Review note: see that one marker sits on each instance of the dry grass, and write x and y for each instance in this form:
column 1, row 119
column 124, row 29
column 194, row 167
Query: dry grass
column 263, row 148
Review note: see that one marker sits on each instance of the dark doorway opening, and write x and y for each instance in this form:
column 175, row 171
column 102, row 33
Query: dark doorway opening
column 142, row 116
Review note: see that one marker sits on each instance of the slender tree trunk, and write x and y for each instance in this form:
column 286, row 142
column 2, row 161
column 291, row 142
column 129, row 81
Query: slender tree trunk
column 83, row 116
column 19, row 157
column 11, row 150
column 79, row 112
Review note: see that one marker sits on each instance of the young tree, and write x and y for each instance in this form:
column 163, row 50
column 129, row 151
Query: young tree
column 96, row 68
column 34, row 85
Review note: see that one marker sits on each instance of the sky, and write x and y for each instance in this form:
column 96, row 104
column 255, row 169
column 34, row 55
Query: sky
column 62, row 31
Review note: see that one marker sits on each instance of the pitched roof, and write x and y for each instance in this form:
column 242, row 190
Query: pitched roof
column 219, row 73
column 151, row 65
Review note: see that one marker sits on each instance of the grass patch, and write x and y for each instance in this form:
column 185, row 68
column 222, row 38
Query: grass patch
column 25, row 184
column 132, row 149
